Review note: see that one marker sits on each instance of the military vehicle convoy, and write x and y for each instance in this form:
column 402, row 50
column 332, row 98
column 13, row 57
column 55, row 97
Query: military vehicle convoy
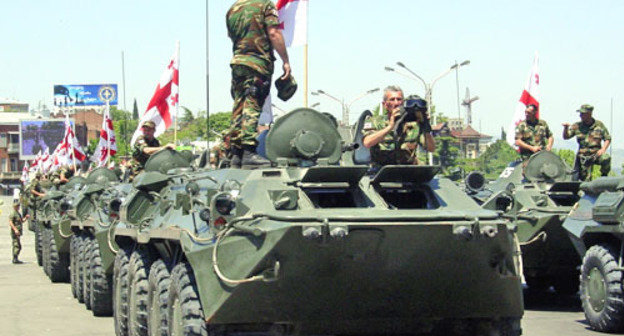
column 595, row 226
column 304, row 246
column 537, row 195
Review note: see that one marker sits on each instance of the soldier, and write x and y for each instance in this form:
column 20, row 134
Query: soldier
column 593, row 139
column 379, row 133
column 36, row 190
column 145, row 146
column 253, row 27
column 533, row 134
column 15, row 222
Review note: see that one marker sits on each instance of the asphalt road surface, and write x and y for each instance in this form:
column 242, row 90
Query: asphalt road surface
column 31, row 305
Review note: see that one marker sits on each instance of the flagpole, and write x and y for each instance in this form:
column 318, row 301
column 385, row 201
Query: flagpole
column 305, row 75
column 72, row 153
column 108, row 133
column 175, row 123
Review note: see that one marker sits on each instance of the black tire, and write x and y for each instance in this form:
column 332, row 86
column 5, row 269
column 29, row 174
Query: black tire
column 157, row 296
column 38, row 245
column 80, row 253
column 72, row 265
column 45, row 251
column 101, row 285
column 58, row 264
column 185, row 315
column 86, row 271
column 601, row 289
column 120, row 292
column 140, row 264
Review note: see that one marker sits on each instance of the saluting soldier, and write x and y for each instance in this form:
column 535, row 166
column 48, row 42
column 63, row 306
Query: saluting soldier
column 593, row 139
column 15, row 222
column 533, row 134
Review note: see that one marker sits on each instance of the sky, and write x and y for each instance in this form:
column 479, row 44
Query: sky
column 350, row 42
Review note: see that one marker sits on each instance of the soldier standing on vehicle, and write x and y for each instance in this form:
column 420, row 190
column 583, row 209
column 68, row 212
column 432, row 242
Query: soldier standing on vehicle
column 593, row 139
column 533, row 134
column 379, row 133
column 15, row 222
column 253, row 27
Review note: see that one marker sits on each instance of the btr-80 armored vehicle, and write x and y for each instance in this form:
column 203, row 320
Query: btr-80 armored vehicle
column 537, row 195
column 308, row 246
column 596, row 226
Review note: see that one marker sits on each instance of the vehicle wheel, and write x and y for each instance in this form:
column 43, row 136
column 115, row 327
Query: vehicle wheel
column 80, row 252
column 137, row 304
column 601, row 289
column 86, row 271
column 120, row 292
column 38, row 245
column 72, row 265
column 184, row 314
column 157, row 295
column 45, row 251
column 101, row 284
column 59, row 268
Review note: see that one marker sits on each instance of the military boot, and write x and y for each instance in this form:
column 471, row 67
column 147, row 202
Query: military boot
column 252, row 160
column 235, row 157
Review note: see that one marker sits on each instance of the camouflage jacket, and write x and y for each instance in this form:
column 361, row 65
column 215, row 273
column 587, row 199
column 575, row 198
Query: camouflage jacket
column 137, row 150
column 533, row 134
column 16, row 219
column 590, row 137
column 247, row 21
column 386, row 152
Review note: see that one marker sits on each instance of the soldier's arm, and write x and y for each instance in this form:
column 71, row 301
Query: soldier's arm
column 566, row 133
column 605, row 146
column 36, row 193
column 376, row 137
column 13, row 227
column 152, row 150
column 429, row 142
column 526, row 146
column 549, row 145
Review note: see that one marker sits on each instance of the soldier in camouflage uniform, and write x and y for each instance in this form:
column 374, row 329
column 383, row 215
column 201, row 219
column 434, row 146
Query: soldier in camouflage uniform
column 379, row 134
column 144, row 146
column 15, row 222
column 253, row 27
column 593, row 139
column 533, row 134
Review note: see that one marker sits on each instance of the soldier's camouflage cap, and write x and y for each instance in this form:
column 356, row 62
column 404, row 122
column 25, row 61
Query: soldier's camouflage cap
column 585, row 108
column 149, row 124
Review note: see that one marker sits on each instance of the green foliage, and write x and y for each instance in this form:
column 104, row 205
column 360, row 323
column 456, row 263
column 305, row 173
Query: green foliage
column 566, row 155
column 196, row 129
column 493, row 160
column 124, row 128
column 187, row 116
column 446, row 153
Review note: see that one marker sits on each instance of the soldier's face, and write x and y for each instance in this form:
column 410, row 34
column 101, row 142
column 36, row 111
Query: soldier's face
column 529, row 113
column 148, row 132
column 393, row 100
column 586, row 117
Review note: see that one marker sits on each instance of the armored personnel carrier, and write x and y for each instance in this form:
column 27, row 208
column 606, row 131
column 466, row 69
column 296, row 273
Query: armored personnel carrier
column 92, row 249
column 309, row 246
column 595, row 226
column 537, row 195
column 53, row 223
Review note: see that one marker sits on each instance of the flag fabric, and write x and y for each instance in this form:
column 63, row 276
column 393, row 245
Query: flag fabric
column 25, row 177
column 530, row 95
column 46, row 163
column 293, row 18
column 107, row 147
column 71, row 144
column 35, row 164
column 165, row 100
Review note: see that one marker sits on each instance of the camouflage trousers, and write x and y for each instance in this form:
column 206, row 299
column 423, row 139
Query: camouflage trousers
column 17, row 245
column 584, row 165
column 249, row 91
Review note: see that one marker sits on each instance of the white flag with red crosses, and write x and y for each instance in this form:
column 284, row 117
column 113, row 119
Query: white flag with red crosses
column 530, row 95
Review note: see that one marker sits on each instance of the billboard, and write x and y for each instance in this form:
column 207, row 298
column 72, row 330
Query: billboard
column 38, row 134
column 85, row 95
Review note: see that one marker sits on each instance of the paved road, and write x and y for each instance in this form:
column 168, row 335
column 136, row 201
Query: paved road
column 31, row 305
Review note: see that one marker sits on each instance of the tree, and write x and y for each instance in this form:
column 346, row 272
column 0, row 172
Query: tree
column 495, row 159
column 135, row 111
column 187, row 116
column 446, row 152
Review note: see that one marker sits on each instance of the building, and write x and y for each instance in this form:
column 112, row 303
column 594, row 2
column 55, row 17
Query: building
column 471, row 142
column 88, row 123
column 10, row 164
column 9, row 105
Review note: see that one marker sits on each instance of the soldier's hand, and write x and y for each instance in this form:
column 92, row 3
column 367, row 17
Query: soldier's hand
column 396, row 113
column 170, row 146
column 286, row 68
column 536, row 149
column 17, row 234
column 600, row 152
column 565, row 124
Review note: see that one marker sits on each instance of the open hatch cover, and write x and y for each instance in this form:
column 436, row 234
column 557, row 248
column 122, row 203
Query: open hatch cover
column 406, row 173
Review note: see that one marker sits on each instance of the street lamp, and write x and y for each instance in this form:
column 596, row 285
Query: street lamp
column 456, row 67
column 345, row 107
column 315, row 105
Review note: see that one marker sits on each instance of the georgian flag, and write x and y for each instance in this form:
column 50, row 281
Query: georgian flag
column 293, row 19
column 46, row 161
column 530, row 95
column 165, row 100
column 70, row 144
column 107, row 147
column 25, row 178
column 34, row 166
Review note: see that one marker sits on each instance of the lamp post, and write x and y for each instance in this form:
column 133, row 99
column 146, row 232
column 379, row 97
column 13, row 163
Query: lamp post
column 428, row 86
column 456, row 66
column 345, row 107
column 315, row 105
